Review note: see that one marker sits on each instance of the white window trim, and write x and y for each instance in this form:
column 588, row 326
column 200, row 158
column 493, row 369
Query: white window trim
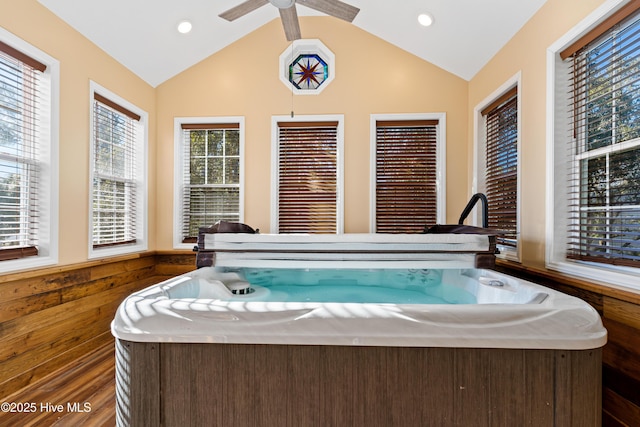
column 142, row 181
column 479, row 159
column 275, row 164
column 49, row 185
column 556, row 214
column 441, row 156
column 178, row 165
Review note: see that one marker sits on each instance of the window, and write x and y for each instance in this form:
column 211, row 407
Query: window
column 597, row 148
column 210, row 184
column 29, row 82
column 499, row 166
column 308, row 175
column 407, row 167
column 118, row 176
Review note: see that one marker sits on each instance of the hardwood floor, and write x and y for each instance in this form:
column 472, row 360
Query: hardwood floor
column 79, row 394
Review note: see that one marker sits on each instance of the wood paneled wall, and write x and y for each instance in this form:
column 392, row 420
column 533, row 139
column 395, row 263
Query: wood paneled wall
column 50, row 317
column 620, row 311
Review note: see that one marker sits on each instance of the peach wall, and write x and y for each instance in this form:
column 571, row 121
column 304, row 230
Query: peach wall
column 526, row 52
column 80, row 62
column 372, row 77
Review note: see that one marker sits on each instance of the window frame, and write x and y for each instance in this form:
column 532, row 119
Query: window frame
column 441, row 161
column 479, row 158
column 141, row 179
column 179, row 163
column 339, row 118
column 48, row 157
column 557, row 223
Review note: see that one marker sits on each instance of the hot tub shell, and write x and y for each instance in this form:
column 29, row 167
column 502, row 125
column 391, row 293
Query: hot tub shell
column 190, row 359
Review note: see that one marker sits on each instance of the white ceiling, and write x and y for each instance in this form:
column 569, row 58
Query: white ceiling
column 141, row 34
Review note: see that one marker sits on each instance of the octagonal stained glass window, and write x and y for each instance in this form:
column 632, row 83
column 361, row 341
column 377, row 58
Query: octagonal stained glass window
column 307, row 67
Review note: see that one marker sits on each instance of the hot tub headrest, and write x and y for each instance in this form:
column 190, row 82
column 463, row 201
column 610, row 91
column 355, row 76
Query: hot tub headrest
column 206, row 259
column 228, row 227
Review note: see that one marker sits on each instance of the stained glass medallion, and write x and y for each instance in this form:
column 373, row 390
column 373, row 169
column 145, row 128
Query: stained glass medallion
column 307, row 67
column 308, row 72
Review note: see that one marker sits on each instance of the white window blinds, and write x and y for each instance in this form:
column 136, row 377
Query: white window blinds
column 115, row 163
column 211, row 176
column 307, row 177
column 23, row 94
column 604, row 184
column 406, row 171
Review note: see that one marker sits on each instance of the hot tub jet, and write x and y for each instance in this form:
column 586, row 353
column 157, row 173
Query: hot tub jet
column 240, row 288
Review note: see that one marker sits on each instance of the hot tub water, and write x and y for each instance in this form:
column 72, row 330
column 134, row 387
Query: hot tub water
column 397, row 286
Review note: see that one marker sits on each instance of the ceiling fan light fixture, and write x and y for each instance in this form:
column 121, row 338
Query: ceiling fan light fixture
column 425, row 19
column 282, row 4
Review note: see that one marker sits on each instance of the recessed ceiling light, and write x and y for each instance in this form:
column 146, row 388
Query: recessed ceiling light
column 425, row 19
column 184, row 27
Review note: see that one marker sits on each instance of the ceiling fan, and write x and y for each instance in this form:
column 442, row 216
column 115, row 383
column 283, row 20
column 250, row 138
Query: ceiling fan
column 289, row 15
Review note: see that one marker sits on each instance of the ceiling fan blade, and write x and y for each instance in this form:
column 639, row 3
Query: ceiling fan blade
column 242, row 9
column 290, row 23
column 335, row 8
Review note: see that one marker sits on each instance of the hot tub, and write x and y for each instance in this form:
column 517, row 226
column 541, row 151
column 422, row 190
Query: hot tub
column 438, row 342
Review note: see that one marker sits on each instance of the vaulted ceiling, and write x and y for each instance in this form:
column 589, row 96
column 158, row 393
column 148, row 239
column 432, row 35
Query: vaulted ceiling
column 142, row 35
